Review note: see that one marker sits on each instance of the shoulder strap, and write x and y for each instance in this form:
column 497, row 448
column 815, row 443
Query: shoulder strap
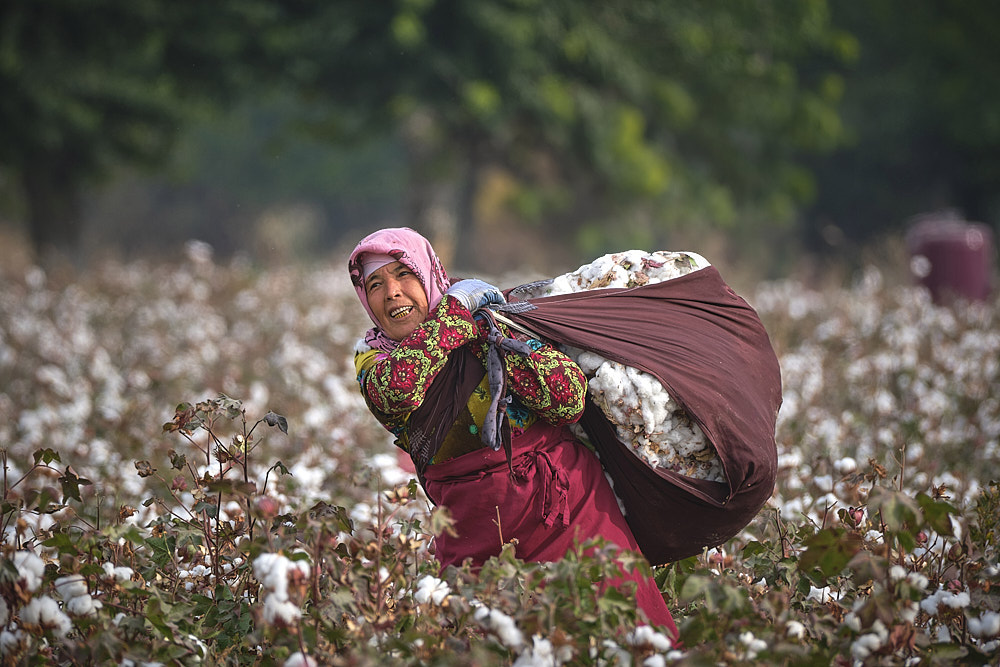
column 446, row 397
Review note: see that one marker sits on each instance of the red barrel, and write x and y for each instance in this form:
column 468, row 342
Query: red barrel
column 952, row 258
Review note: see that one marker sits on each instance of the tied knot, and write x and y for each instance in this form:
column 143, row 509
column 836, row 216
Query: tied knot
column 497, row 346
column 554, row 484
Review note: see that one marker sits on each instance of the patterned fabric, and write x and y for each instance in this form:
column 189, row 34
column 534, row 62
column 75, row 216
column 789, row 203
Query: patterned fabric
column 546, row 385
column 413, row 250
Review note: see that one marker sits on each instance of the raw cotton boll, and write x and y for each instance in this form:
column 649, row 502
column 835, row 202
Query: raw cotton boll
column 644, row 414
column 43, row 612
column 82, row 605
column 280, row 612
column 502, row 625
column 299, row 659
column 120, row 574
column 30, row 569
column 561, row 285
column 71, row 586
column 588, row 361
column 431, row 590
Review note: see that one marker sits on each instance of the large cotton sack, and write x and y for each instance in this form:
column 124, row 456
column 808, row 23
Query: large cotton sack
column 709, row 350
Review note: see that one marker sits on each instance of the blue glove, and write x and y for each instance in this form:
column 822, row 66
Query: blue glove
column 476, row 294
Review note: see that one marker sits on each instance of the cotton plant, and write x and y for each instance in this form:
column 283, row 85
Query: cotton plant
column 277, row 573
column 645, row 415
column 34, row 611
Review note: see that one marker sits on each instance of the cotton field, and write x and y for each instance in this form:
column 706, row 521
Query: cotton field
column 156, row 511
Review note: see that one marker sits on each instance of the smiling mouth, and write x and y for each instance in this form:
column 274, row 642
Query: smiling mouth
column 400, row 313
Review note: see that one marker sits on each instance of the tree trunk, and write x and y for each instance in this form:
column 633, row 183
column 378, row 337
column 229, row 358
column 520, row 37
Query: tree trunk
column 440, row 204
column 52, row 194
column 465, row 210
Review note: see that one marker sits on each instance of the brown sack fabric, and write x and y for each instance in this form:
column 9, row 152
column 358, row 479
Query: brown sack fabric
column 708, row 348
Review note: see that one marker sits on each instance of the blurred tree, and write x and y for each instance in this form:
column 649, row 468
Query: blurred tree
column 647, row 111
column 922, row 106
column 257, row 180
column 663, row 110
column 89, row 84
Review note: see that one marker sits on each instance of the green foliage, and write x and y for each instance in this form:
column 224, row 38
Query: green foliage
column 918, row 105
column 605, row 111
column 93, row 85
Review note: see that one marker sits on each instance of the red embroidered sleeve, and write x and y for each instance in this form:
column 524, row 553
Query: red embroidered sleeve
column 548, row 382
column 396, row 383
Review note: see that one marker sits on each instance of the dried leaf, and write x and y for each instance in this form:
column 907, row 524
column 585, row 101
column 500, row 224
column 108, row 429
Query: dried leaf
column 272, row 419
column 145, row 468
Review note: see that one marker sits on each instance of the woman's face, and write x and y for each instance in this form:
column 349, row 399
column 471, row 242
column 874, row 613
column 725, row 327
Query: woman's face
column 397, row 299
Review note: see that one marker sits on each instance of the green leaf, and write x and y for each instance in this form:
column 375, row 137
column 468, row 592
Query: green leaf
column 203, row 605
column 177, row 461
column 754, row 548
column 897, row 510
column 937, row 513
column 162, row 549
column 155, row 615
column 62, row 543
column 232, row 406
column 46, row 456
column 946, row 653
column 71, row 483
column 695, row 587
column 828, row 552
column 206, row 506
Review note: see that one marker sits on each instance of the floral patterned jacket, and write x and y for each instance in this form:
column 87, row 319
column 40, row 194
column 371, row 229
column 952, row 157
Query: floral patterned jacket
column 546, row 385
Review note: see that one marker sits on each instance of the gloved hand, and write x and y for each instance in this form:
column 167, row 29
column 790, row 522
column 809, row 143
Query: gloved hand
column 475, row 294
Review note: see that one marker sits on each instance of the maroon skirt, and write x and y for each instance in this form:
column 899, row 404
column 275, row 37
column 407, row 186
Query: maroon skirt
column 556, row 495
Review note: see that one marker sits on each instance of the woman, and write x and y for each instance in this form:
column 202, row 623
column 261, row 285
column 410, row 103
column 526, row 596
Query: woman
column 544, row 492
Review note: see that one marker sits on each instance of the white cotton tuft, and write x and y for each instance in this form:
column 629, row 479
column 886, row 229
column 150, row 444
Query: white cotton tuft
column 299, row 659
column 30, row 569
column 502, row 625
column 12, row 642
column 985, row 626
column 120, row 574
column 82, row 605
column 71, row 586
column 44, row 612
column 280, row 612
column 795, row 630
column 645, row 635
column 845, row 465
column 541, row 653
column 273, row 572
column 431, row 589
column 752, row 644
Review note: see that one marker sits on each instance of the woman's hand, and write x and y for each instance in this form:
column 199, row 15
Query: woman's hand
column 475, row 294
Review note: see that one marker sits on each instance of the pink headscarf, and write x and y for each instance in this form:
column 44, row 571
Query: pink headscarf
column 406, row 246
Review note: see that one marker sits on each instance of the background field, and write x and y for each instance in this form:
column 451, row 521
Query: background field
column 879, row 542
